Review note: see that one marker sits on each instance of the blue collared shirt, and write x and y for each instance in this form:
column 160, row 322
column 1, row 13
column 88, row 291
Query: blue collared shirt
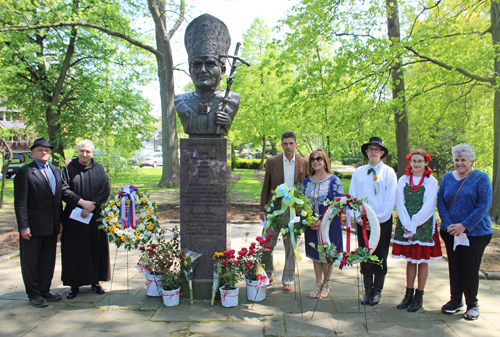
column 40, row 166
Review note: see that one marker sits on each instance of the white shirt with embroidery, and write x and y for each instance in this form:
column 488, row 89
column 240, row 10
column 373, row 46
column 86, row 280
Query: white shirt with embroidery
column 428, row 203
column 362, row 186
column 289, row 170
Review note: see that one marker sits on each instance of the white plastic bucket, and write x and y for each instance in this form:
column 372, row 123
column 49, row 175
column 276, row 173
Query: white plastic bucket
column 254, row 292
column 229, row 298
column 171, row 297
column 153, row 285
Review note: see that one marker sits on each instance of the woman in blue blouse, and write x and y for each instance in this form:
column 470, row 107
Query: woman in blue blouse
column 464, row 199
column 319, row 186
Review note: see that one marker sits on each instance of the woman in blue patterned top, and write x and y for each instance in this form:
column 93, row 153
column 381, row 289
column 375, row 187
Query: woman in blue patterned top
column 319, row 186
column 464, row 199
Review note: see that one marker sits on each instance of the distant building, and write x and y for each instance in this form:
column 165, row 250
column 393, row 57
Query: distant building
column 10, row 119
column 153, row 144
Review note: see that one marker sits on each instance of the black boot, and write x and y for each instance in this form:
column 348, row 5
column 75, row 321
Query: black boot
column 417, row 301
column 368, row 282
column 407, row 299
column 378, row 285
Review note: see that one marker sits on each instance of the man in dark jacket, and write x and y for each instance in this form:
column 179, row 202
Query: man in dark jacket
column 84, row 247
column 37, row 202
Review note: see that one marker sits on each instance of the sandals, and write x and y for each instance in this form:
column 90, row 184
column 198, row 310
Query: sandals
column 325, row 291
column 316, row 291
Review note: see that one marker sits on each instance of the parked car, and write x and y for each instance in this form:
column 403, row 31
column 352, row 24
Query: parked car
column 18, row 159
column 136, row 160
column 152, row 159
column 245, row 155
column 102, row 155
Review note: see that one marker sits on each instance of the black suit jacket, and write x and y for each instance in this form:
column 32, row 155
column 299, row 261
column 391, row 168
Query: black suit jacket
column 35, row 205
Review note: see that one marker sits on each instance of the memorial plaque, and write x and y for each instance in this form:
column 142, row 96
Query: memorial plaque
column 205, row 201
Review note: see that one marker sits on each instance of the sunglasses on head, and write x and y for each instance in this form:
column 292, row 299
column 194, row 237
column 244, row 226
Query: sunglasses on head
column 313, row 159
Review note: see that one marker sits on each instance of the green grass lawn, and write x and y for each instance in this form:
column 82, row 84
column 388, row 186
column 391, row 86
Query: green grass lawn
column 144, row 177
column 8, row 197
column 247, row 188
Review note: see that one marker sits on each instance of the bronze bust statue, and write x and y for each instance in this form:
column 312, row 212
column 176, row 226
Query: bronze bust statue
column 203, row 113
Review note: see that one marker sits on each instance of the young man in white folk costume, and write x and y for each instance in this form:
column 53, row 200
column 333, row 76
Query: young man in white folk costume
column 377, row 183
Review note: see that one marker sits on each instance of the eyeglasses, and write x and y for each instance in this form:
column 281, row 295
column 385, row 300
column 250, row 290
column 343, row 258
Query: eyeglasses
column 318, row 159
column 375, row 150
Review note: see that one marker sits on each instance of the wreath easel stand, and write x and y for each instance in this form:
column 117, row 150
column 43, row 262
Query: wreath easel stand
column 368, row 214
column 124, row 203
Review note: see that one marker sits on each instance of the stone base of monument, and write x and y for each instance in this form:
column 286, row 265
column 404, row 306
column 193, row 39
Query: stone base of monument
column 202, row 290
column 205, row 210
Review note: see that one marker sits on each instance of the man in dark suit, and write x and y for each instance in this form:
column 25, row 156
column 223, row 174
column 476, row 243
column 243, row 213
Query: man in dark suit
column 37, row 202
column 290, row 168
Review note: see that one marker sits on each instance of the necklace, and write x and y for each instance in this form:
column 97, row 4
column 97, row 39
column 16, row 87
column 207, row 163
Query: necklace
column 414, row 188
column 466, row 175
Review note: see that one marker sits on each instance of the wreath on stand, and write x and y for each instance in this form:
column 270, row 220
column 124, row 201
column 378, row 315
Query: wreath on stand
column 348, row 257
column 122, row 226
column 301, row 214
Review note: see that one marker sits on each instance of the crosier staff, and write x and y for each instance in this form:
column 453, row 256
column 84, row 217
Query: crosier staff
column 230, row 79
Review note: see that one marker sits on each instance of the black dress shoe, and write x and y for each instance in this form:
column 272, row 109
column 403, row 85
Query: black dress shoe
column 375, row 298
column 72, row 293
column 97, row 289
column 366, row 297
column 52, row 297
column 39, row 302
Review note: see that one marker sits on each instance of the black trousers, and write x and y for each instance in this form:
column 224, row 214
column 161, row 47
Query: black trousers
column 382, row 251
column 463, row 266
column 38, row 260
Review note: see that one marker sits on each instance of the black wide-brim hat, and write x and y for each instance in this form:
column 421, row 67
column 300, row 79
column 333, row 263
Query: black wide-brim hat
column 375, row 141
column 41, row 142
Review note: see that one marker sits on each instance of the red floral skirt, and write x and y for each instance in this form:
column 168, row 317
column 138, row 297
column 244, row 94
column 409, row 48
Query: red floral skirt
column 417, row 253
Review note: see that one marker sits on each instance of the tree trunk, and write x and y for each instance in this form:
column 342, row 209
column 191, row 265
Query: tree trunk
column 263, row 155
column 398, row 90
column 168, row 120
column 495, row 35
column 274, row 150
column 167, row 93
column 54, row 129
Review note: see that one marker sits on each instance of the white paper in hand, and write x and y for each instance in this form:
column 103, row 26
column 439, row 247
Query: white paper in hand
column 460, row 240
column 77, row 215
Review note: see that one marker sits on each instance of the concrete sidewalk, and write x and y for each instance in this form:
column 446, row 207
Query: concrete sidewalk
column 132, row 313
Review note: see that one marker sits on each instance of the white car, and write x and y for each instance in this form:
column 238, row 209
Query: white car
column 152, row 159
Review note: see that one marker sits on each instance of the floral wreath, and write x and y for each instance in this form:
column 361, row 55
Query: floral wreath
column 427, row 172
column 348, row 257
column 301, row 213
column 123, row 230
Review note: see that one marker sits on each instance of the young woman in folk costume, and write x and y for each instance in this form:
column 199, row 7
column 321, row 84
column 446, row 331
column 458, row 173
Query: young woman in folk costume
column 416, row 237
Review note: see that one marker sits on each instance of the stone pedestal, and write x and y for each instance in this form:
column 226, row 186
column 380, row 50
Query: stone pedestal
column 205, row 175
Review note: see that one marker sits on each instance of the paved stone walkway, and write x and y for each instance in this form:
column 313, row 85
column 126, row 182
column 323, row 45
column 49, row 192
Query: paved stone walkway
column 132, row 313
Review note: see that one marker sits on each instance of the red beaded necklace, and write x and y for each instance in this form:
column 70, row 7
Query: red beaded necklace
column 414, row 188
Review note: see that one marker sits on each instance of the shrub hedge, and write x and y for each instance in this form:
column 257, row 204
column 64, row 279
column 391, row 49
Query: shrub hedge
column 240, row 163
